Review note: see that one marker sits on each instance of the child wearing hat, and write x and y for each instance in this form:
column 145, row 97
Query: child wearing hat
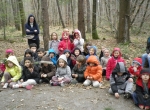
column 141, row 95
column 120, row 81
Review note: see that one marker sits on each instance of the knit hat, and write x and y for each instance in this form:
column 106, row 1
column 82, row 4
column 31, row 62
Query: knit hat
column 145, row 71
column 120, row 67
column 138, row 61
column 9, row 51
column 46, row 59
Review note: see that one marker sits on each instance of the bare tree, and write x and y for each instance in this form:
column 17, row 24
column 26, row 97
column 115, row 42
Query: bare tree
column 45, row 25
column 72, row 14
column 88, row 17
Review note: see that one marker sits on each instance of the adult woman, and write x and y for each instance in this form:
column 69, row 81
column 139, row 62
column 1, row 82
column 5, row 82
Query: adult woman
column 32, row 31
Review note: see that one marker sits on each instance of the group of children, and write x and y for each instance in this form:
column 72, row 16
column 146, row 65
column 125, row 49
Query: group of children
column 70, row 60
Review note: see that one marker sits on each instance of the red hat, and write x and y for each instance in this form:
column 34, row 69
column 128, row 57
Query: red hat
column 9, row 51
column 138, row 61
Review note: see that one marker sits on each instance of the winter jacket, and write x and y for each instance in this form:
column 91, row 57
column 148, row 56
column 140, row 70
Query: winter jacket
column 65, row 44
column 116, row 80
column 50, row 69
column 112, row 63
column 63, row 71
column 93, row 71
column 26, row 74
column 15, row 71
column 80, row 72
column 54, row 59
column 53, row 44
column 78, row 43
column 35, row 27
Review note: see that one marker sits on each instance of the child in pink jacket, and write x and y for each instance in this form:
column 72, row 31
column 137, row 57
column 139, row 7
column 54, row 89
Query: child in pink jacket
column 116, row 57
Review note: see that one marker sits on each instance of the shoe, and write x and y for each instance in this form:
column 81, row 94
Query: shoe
column 15, row 86
column 127, row 95
column 62, row 84
column 29, row 87
column 5, row 86
column 40, row 81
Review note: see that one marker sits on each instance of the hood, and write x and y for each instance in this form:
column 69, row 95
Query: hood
column 34, row 23
column 76, row 31
column 138, row 61
column 28, row 51
column 120, row 67
column 95, row 49
column 145, row 71
column 14, row 60
column 63, row 57
column 76, row 48
column 116, row 49
column 93, row 59
column 46, row 59
column 51, row 51
column 63, row 36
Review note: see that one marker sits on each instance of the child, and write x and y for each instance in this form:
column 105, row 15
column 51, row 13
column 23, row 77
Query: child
column 12, row 72
column 93, row 72
column 54, row 42
column 116, row 57
column 86, row 48
column 65, row 44
column 63, row 73
column 78, row 41
column 33, row 48
column 30, row 74
column 92, row 51
column 52, row 56
column 9, row 52
column 78, row 70
column 136, row 67
column 141, row 95
column 47, row 70
column 104, row 60
column 69, row 60
column 76, row 52
column 101, row 53
column 120, row 81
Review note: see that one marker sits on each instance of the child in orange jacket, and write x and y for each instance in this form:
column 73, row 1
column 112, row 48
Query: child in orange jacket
column 93, row 72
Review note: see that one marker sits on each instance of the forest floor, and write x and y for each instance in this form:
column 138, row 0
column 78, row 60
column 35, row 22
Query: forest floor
column 70, row 97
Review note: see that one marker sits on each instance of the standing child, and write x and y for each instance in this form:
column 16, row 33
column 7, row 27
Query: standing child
column 54, row 42
column 12, row 72
column 141, row 95
column 78, row 70
column 30, row 74
column 52, row 56
column 63, row 73
column 116, row 57
column 120, row 81
column 93, row 72
column 47, row 70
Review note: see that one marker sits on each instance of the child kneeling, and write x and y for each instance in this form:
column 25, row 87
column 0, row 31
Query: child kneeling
column 120, row 81
column 93, row 72
column 141, row 95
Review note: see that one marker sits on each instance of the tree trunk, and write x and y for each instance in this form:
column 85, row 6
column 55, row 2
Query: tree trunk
column 60, row 14
column 81, row 24
column 72, row 15
column 94, row 30
column 124, row 22
column 16, row 15
column 45, row 23
column 22, row 16
column 88, row 17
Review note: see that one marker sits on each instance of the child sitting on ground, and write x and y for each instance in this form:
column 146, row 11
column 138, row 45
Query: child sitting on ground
column 120, row 81
column 52, row 56
column 78, row 70
column 63, row 73
column 33, row 48
column 12, row 73
column 141, row 95
column 92, row 51
column 86, row 48
column 30, row 74
column 93, row 72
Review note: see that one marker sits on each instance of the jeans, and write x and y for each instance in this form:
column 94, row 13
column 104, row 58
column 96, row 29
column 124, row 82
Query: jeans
column 144, row 58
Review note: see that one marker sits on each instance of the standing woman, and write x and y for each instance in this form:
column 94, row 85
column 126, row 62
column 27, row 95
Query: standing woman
column 32, row 31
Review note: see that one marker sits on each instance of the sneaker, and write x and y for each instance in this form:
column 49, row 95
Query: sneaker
column 5, row 86
column 15, row 86
column 127, row 95
column 62, row 84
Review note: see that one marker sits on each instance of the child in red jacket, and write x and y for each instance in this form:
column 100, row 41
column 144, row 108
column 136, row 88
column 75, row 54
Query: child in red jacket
column 116, row 57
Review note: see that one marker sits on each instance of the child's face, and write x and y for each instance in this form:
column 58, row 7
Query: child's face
column 88, row 46
column 78, row 63
column 76, row 52
column 116, row 53
column 106, row 53
column 135, row 65
column 145, row 77
column 28, row 55
column 120, row 73
column 33, row 49
column 45, row 64
column 40, row 54
column 91, row 64
column 61, row 63
column 10, row 64
column 51, row 55
column 66, row 31
column 65, row 36
column 76, row 35
column 67, row 54
column 102, row 48
column 91, row 51
column 54, row 36
column 27, row 63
